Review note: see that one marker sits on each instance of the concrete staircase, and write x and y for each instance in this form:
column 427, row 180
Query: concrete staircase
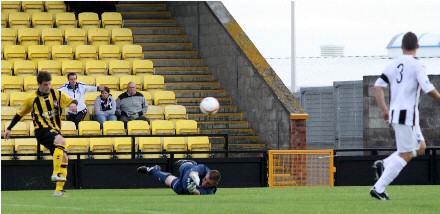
column 174, row 57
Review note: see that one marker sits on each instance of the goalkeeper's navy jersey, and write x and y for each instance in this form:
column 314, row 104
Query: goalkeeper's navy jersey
column 180, row 185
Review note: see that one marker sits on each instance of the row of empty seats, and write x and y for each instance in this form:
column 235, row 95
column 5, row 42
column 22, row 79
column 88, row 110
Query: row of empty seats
column 119, row 144
column 135, row 127
column 31, row 7
column 72, row 37
column 151, row 83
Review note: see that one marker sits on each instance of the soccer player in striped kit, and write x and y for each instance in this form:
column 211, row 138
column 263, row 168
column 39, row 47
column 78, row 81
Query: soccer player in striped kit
column 406, row 77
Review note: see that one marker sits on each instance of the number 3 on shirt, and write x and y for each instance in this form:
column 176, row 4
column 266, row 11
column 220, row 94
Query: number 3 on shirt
column 401, row 75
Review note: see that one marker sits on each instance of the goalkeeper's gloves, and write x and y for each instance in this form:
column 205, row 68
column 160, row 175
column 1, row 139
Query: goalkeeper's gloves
column 192, row 187
column 195, row 178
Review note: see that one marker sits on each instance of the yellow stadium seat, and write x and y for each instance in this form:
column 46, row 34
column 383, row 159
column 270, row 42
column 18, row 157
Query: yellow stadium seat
column 89, row 128
column 42, row 20
column 143, row 67
column 75, row 37
column 109, row 52
column 54, row 7
column 32, row 7
column 150, row 144
column 175, row 112
column 199, row 143
column 88, row 80
column 123, row 144
column 51, row 37
column 125, row 79
column 24, row 67
column 138, row 127
column 11, row 83
column 5, row 99
column 113, row 128
column 154, row 113
column 159, row 127
column 147, row 96
column 30, row 83
column 51, row 66
column 111, row 20
column 132, row 52
column 4, row 20
column 84, row 53
column 88, row 20
column 122, row 36
column 45, row 150
column 98, row 37
column 119, row 67
column 19, row 20
column 13, row 53
column 174, row 144
column 62, row 52
column 37, row 53
column 96, row 67
column 16, row 98
column 58, row 81
column 8, row 112
column 91, row 97
column 26, row 146
column 110, row 81
column 68, row 128
column 30, row 126
column 115, row 94
column 8, row 148
column 9, row 37
column 65, row 20
column 6, row 68
column 163, row 98
column 77, row 145
column 28, row 37
column 153, row 83
column 186, row 127
column 20, row 129
column 72, row 66
column 11, row 6
column 98, row 145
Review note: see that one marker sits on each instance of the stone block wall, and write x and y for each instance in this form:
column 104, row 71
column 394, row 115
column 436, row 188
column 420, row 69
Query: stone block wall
column 378, row 134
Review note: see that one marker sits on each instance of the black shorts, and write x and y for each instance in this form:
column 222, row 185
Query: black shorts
column 46, row 137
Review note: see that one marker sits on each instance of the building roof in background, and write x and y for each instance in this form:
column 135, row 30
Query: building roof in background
column 425, row 40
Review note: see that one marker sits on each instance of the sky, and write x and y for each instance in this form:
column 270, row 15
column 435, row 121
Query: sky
column 363, row 27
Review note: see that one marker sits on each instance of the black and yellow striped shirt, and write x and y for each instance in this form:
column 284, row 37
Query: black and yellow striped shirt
column 45, row 109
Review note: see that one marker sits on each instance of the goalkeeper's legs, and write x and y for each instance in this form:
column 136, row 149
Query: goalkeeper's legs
column 163, row 177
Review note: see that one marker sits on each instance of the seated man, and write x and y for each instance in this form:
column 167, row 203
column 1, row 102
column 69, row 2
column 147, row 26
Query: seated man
column 131, row 105
column 190, row 175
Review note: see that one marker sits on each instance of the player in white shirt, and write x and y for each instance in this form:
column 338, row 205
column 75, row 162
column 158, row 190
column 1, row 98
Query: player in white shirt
column 406, row 77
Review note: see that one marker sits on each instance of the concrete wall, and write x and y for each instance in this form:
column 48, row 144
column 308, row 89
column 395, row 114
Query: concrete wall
column 378, row 134
column 236, row 63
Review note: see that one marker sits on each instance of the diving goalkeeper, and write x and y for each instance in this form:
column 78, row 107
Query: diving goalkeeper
column 194, row 179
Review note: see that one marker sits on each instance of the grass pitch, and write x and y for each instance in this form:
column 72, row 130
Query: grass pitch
column 406, row 199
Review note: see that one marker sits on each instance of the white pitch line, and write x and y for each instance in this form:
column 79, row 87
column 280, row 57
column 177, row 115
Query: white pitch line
column 82, row 209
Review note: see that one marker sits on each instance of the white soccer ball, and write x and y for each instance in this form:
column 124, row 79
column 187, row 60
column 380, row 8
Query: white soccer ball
column 209, row 105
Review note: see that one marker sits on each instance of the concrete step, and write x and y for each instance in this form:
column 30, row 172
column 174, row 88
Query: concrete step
column 193, row 85
column 231, row 131
column 150, row 23
column 220, row 116
column 182, row 70
column 186, row 77
column 170, row 54
column 218, row 93
column 156, row 30
column 160, row 38
column 166, row 46
column 177, row 62
column 140, row 6
column 187, row 101
column 237, row 124
column 145, row 14
column 195, row 109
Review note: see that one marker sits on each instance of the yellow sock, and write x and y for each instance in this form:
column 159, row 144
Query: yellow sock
column 63, row 171
column 57, row 159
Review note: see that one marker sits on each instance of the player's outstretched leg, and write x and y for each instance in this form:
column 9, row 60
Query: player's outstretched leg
column 181, row 162
column 155, row 171
column 378, row 169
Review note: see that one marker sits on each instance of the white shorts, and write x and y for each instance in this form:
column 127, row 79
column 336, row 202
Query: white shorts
column 407, row 137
